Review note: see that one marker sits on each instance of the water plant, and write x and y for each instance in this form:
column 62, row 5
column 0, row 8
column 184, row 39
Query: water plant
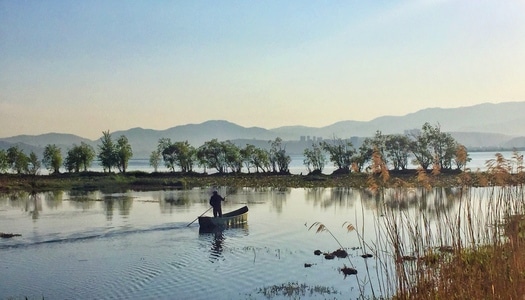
column 295, row 290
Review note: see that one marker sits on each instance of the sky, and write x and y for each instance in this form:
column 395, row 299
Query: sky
column 83, row 67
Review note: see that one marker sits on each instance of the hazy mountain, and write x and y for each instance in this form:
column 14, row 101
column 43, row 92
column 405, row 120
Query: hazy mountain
column 502, row 118
column 24, row 147
column 37, row 143
column 518, row 142
column 483, row 140
column 48, row 138
column 481, row 126
column 144, row 141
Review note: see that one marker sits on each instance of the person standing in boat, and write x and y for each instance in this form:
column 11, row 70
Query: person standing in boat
column 216, row 203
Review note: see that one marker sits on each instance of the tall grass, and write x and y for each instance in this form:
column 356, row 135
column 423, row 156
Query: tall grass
column 469, row 244
column 476, row 252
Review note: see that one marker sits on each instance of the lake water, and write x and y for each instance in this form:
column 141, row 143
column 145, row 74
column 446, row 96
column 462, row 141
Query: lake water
column 138, row 245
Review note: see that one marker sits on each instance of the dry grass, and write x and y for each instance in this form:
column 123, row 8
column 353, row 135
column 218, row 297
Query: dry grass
column 474, row 251
column 478, row 252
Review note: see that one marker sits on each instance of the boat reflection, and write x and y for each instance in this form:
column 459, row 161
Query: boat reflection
column 221, row 229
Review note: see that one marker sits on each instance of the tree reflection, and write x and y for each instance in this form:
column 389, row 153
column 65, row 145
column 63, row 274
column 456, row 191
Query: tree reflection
column 251, row 195
column 53, row 199
column 331, row 197
column 33, row 206
column 121, row 202
column 279, row 196
column 434, row 201
column 170, row 199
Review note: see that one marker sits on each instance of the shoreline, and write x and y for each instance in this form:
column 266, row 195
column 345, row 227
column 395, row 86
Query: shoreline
column 160, row 181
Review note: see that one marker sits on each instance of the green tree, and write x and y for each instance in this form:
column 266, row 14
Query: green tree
column 17, row 160
column 431, row 146
column 163, row 144
column 397, row 150
column 86, row 155
column 52, row 158
column 154, row 160
column 279, row 160
column 261, row 160
column 213, row 154
column 185, row 156
column 232, row 155
column 33, row 164
column 79, row 157
column 374, row 147
column 123, row 153
column 180, row 154
column 201, row 158
column 4, row 165
column 340, row 153
column 314, row 158
column 247, row 156
column 165, row 148
column 363, row 156
column 72, row 160
column 107, row 152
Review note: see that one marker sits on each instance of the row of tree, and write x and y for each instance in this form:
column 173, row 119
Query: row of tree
column 428, row 147
column 111, row 155
column 221, row 156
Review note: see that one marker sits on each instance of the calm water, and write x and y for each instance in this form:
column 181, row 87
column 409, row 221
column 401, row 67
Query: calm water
column 137, row 245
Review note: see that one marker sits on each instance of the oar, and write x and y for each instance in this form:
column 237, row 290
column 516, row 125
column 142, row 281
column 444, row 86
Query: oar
column 199, row 216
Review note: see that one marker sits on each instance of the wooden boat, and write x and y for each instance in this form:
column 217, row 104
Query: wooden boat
column 231, row 219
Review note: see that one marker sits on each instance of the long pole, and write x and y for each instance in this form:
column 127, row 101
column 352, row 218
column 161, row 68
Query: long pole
column 199, row 216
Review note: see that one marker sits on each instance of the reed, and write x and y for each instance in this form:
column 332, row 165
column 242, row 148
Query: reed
column 461, row 242
column 474, row 253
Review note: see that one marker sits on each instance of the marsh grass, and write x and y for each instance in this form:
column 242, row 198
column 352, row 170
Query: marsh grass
column 475, row 251
column 295, row 290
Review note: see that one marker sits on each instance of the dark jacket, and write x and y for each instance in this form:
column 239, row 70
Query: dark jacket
column 215, row 200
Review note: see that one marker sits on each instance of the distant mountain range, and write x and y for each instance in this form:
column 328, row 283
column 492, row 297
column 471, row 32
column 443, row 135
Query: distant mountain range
column 483, row 126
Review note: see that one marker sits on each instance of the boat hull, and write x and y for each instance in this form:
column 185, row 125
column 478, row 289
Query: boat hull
column 231, row 219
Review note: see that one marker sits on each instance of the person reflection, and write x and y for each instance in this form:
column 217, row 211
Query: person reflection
column 37, row 206
column 217, row 246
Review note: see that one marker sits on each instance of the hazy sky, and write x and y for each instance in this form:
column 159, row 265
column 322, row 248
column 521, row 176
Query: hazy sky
column 83, row 67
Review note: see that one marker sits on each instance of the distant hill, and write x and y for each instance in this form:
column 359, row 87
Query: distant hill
column 37, row 143
column 24, row 147
column 502, row 118
column 144, row 141
column 480, row 140
column 518, row 142
column 480, row 126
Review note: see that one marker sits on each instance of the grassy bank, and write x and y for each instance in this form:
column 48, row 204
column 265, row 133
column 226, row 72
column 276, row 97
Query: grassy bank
column 157, row 181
